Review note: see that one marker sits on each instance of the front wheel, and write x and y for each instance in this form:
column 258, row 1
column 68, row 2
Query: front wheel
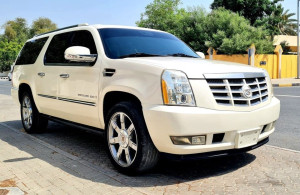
column 32, row 120
column 129, row 144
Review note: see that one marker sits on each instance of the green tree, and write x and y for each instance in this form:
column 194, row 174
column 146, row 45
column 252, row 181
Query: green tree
column 16, row 30
column 252, row 10
column 191, row 28
column 163, row 15
column 42, row 25
column 287, row 25
column 230, row 33
column 8, row 52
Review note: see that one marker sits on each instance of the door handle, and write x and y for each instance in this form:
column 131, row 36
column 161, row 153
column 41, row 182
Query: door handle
column 64, row 76
column 41, row 74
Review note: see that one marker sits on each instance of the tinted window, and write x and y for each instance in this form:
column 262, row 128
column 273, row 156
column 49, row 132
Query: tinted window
column 60, row 42
column 122, row 42
column 31, row 51
column 57, row 47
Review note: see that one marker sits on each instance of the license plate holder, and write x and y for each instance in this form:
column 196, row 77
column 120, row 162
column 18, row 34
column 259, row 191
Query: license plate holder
column 247, row 138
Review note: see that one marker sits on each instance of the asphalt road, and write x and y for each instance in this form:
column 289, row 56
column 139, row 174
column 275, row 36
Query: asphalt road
column 287, row 134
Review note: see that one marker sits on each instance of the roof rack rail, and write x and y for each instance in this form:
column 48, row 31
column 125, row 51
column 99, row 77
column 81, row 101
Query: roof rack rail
column 59, row 29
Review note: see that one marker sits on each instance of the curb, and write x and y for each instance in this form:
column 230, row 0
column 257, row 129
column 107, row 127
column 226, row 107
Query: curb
column 286, row 85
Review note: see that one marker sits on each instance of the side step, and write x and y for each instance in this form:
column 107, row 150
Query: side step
column 76, row 125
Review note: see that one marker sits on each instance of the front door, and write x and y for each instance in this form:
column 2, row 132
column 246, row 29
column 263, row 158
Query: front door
column 77, row 83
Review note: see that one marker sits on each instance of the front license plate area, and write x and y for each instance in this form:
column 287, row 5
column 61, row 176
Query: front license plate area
column 247, row 138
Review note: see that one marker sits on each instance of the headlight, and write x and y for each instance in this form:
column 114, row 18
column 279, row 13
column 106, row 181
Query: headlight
column 176, row 89
column 268, row 78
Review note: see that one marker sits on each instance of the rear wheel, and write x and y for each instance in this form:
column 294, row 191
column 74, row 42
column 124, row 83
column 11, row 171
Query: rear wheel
column 32, row 120
column 130, row 147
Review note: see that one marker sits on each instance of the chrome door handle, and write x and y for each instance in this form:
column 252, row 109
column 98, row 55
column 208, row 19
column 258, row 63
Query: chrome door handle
column 41, row 74
column 64, row 76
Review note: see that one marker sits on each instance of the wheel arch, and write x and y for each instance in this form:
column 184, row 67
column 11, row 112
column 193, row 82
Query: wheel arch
column 22, row 88
column 113, row 97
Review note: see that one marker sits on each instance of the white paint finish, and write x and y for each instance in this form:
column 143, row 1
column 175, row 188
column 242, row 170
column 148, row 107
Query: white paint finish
column 141, row 77
column 166, row 121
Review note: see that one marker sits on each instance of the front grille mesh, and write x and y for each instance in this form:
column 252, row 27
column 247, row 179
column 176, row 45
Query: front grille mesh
column 229, row 92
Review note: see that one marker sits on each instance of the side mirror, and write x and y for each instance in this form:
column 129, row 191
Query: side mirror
column 200, row 54
column 79, row 54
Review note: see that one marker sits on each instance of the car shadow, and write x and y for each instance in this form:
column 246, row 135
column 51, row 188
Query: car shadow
column 90, row 147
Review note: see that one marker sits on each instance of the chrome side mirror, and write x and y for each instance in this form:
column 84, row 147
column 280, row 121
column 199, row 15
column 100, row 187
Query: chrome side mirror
column 79, row 54
column 200, row 54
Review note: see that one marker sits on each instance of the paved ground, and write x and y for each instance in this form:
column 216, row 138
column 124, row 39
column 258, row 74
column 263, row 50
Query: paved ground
column 287, row 134
column 67, row 160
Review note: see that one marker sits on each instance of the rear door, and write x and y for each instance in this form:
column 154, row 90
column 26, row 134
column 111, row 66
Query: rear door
column 77, row 83
column 42, row 80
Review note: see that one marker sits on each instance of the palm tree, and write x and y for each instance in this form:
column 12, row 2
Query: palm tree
column 287, row 25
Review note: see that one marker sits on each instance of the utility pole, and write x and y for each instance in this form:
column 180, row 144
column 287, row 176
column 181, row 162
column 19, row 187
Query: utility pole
column 298, row 49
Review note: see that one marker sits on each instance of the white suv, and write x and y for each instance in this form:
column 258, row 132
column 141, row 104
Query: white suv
column 148, row 91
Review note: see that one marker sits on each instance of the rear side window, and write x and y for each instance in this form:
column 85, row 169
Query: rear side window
column 60, row 42
column 31, row 51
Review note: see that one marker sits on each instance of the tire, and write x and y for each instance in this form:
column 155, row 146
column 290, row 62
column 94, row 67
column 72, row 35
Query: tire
column 129, row 146
column 32, row 120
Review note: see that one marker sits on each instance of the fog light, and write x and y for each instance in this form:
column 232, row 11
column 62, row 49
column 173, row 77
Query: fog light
column 188, row 140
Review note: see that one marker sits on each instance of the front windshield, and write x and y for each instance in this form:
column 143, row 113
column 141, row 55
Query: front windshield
column 121, row 43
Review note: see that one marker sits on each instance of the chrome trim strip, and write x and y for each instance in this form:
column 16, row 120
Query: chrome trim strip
column 77, row 101
column 47, row 96
column 69, row 100
column 234, row 75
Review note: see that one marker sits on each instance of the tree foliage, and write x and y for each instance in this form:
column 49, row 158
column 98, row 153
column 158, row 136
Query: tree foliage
column 8, row 52
column 268, row 14
column 163, row 15
column 287, row 25
column 230, row 33
column 253, row 10
column 225, row 31
column 16, row 32
column 42, row 25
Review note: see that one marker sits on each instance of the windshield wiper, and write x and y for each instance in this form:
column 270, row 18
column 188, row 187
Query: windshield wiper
column 181, row 55
column 139, row 55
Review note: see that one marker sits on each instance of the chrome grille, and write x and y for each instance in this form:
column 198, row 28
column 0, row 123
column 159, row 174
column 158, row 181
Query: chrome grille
column 228, row 91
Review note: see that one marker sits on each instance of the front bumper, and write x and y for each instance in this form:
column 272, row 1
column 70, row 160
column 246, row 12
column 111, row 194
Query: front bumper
column 165, row 121
column 214, row 154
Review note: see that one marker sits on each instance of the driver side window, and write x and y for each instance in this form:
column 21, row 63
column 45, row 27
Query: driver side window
column 55, row 53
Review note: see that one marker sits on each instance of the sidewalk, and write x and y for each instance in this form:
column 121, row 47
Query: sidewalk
column 37, row 168
column 285, row 82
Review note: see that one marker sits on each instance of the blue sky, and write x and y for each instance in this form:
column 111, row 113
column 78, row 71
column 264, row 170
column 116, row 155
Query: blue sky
column 65, row 13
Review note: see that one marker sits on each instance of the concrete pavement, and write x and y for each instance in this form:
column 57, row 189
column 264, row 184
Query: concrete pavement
column 289, row 82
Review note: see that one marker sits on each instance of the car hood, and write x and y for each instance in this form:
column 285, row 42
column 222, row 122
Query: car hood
column 194, row 67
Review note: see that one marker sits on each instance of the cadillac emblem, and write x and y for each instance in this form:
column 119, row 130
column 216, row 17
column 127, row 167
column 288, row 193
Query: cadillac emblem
column 246, row 91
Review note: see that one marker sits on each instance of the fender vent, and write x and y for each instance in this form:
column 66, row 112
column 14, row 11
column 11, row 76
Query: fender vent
column 108, row 72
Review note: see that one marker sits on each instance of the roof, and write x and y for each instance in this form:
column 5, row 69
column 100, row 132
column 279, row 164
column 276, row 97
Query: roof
column 290, row 40
column 98, row 26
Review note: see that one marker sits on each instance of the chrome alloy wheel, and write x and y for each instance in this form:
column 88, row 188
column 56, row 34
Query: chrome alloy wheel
column 27, row 112
column 122, row 139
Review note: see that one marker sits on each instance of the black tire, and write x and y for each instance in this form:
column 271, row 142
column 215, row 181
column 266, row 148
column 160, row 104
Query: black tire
column 146, row 154
column 38, row 122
